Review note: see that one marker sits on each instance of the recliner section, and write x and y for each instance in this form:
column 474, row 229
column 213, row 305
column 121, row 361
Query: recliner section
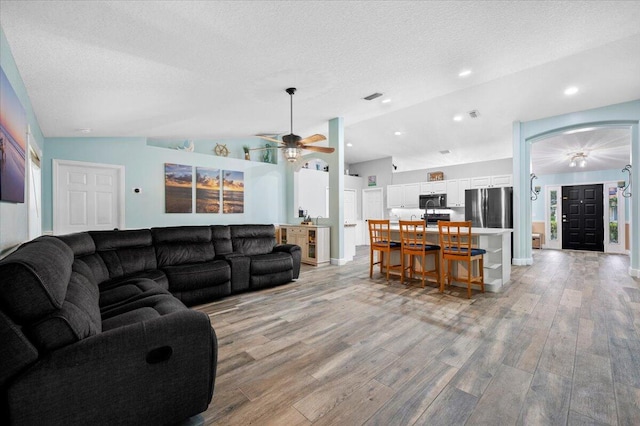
column 102, row 316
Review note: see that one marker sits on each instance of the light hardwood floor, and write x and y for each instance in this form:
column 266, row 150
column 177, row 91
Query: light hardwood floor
column 559, row 345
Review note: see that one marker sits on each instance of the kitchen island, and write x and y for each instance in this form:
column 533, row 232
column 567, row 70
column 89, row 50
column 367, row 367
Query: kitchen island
column 497, row 260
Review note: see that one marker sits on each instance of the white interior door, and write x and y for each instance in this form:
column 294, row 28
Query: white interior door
column 350, row 206
column 372, row 208
column 87, row 196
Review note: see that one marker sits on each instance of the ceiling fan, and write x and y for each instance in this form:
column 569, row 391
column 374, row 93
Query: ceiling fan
column 293, row 144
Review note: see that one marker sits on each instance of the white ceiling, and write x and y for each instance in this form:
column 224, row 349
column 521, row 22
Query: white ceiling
column 218, row 70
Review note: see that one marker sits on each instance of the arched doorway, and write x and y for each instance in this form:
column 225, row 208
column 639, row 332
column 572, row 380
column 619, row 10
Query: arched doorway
column 527, row 133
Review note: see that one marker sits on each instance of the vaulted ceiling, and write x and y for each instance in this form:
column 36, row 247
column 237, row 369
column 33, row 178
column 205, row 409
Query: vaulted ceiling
column 218, row 69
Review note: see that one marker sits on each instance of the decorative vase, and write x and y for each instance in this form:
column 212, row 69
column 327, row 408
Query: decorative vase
column 246, row 156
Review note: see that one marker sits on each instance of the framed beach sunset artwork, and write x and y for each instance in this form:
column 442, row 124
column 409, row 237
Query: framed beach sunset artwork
column 13, row 143
column 178, row 188
column 232, row 192
column 207, row 190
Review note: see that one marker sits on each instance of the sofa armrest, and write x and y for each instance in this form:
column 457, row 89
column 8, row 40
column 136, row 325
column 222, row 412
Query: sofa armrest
column 154, row 372
column 296, row 254
column 240, row 270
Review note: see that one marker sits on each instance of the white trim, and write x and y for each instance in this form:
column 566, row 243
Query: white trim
column 634, row 272
column 522, row 262
column 121, row 198
column 339, row 262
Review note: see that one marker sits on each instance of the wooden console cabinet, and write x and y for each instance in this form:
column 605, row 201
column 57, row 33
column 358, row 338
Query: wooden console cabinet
column 314, row 242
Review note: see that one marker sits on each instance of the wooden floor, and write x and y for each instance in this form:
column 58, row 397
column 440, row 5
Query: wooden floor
column 560, row 345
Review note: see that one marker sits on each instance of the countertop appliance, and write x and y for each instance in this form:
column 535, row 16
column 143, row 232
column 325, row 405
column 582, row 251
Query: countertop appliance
column 433, row 218
column 433, row 201
column 489, row 207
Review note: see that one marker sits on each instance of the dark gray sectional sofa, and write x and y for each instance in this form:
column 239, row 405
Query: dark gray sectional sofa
column 95, row 329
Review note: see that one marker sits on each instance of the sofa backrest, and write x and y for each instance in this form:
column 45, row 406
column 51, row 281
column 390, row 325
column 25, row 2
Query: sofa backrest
column 84, row 249
column 182, row 244
column 253, row 239
column 221, row 237
column 125, row 252
column 54, row 298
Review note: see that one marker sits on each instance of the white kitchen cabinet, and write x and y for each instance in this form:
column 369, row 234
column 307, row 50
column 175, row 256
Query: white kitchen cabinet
column 403, row 196
column 502, row 180
column 455, row 191
column 314, row 242
column 433, row 187
column 491, row 181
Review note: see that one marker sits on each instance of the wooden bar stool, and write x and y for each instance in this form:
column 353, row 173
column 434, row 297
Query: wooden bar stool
column 413, row 236
column 456, row 246
column 380, row 241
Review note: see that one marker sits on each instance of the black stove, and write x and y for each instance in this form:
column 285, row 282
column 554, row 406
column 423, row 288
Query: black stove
column 433, row 218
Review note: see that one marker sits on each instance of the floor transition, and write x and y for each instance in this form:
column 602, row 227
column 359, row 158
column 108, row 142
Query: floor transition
column 559, row 345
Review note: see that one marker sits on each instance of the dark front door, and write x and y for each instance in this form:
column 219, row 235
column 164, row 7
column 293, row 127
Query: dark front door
column 582, row 218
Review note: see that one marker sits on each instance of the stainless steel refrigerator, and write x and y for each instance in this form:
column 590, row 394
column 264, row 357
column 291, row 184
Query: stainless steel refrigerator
column 489, row 207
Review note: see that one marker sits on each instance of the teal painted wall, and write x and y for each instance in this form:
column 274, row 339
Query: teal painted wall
column 579, row 178
column 265, row 194
column 13, row 216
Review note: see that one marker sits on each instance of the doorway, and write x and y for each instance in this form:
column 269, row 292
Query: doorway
column 582, row 217
column 87, row 196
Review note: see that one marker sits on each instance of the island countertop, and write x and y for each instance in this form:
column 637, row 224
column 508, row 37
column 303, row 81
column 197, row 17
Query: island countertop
column 474, row 230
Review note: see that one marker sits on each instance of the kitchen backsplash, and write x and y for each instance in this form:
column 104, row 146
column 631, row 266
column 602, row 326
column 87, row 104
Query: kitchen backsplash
column 406, row 214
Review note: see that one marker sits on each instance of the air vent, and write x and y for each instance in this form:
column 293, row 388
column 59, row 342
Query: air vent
column 373, row 96
column 474, row 113
column 446, row 151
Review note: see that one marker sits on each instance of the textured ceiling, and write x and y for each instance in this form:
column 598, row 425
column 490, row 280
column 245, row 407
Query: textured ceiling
column 218, row 70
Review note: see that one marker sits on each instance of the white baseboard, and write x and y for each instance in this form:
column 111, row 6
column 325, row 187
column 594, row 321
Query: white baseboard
column 634, row 272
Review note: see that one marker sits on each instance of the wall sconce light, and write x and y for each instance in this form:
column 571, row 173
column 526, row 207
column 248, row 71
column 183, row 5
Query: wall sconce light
column 534, row 191
column 626, row 190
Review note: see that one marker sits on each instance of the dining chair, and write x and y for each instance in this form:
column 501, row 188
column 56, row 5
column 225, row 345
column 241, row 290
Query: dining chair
column 456, row 246
column 413, row 238
column 380, row 241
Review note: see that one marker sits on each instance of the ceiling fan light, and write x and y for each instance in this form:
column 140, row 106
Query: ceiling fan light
column 582, row 163
column 572, row 163
column 292, row 154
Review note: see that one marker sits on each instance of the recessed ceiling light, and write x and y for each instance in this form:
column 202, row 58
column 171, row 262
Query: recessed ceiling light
column 386, row 101
column 464, row 73
column 397, row 133
column 457, row 118
column 83, row 130
column 445, row 151
column 571, row 90
column 349, row 144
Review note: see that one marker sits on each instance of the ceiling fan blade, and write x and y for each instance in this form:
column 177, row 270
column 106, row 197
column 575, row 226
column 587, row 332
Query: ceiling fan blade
column 263, row 148
column 325, row 149
column 313, row 139
column 266, row 138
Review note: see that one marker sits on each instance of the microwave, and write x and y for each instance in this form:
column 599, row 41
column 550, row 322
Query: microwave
column 433, row 201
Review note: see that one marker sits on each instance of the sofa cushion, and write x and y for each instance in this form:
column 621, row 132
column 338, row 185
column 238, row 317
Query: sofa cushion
column 253, row 239
column 128, row 291
column 154, row 274
column 264, row 264
column 221, row 237
column 78, row 318
column 16, row 351
column 125, row 252
column 163, row 304
column 182, row 244
column 36, row 288
column 198, row 275
column 80, row 243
